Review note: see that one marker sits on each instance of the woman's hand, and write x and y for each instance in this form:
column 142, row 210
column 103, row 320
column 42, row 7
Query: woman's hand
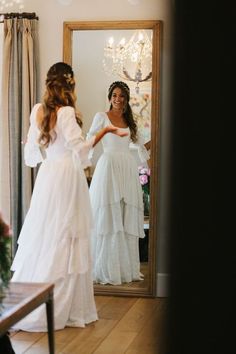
column 117, row 131
column 109, row 129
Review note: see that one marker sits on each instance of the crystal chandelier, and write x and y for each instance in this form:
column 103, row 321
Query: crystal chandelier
column 11, row 5
column 132, row 61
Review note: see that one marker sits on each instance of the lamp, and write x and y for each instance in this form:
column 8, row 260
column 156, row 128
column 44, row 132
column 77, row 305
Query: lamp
column 9, row 5
column 132, row 61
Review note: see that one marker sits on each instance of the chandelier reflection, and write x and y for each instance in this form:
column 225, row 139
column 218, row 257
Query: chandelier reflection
column 11, row 5
column 131, row 61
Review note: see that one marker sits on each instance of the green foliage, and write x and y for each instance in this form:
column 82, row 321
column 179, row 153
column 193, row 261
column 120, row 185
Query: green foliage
column 5, row 260
column 5, row 252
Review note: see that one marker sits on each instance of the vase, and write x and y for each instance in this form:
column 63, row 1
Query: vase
column 146, row 203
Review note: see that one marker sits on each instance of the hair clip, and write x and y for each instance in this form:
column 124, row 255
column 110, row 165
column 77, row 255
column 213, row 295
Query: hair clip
column 68, row 77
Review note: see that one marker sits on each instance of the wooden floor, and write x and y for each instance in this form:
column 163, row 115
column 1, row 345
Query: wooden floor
column 126, row 325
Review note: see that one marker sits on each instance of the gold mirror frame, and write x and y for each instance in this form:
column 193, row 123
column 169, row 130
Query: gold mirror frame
column 156, row 27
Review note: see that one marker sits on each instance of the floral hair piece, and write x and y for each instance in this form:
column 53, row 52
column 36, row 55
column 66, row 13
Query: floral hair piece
column 68, row 77
column 119, row 83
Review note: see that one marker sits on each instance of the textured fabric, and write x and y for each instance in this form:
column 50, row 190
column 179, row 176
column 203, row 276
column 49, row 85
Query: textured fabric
column 19, row 94
column 117, row 204
column 54, row 243
column 4, row 141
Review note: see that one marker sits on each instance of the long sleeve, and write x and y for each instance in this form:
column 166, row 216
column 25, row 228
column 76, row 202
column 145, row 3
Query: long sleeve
column 73, row 136
column 142, row 151
column 97, row 124
column 32, row 153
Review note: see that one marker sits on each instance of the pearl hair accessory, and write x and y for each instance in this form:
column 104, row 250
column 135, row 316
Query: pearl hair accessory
column 68, row 78
column 119, row 83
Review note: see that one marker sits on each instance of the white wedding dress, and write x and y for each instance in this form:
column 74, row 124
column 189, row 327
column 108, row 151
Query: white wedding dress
column 117, row 205
column 54, row 243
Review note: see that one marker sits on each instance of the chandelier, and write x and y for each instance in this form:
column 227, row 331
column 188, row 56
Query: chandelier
column 11, row 5
column 132, row 61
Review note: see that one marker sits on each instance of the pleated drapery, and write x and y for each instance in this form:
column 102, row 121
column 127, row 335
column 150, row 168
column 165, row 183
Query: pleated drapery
column 19, row 94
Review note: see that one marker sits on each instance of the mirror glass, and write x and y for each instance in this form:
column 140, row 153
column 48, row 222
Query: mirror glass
column 96, row 51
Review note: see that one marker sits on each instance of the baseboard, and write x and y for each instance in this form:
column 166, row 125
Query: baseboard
column 163, row 284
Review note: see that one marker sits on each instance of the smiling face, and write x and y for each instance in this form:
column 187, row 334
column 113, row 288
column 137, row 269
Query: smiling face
column 118, row 99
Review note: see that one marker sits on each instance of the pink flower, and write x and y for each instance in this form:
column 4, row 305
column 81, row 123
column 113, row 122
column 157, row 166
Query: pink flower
column 143, row 171
column 143, row 179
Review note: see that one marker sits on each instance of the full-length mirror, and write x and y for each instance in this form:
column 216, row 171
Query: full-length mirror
column 102, row 53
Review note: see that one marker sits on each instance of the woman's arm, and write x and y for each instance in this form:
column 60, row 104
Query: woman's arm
column 108, row 129
column 73, row 135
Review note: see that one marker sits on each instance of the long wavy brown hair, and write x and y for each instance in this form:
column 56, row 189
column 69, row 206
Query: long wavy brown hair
column 60, row 92
column 128, row 114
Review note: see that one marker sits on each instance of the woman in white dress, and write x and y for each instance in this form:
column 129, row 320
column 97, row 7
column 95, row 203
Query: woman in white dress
column 116, row 194
column 54, row 243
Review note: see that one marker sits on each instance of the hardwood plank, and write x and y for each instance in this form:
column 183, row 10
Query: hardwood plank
column 151, row 338
column 138, row 315
column 126, row 330
column 101, row 301
column 116, row 307
column 116, row 343
column 89, row 338
column 21, row 341
column 125, row 326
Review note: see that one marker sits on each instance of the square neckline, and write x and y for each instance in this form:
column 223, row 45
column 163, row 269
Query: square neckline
column 112, row 123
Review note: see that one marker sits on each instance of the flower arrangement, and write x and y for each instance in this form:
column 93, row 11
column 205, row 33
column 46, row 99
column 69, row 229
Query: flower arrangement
column 5, row 254
column 144, row 178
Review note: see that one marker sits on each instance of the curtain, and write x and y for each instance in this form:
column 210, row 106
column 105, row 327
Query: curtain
column 19, row 94
column 1, row 130
column 1, row 52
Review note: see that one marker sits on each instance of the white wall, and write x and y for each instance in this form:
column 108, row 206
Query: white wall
column 92, row 82
column 51, row 16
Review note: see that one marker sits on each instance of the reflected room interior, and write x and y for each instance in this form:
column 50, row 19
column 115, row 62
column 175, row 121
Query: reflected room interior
column 101, row 53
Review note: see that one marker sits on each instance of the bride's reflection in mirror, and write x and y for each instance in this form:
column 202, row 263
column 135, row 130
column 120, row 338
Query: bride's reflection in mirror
column 87, row 46
column 116, row 193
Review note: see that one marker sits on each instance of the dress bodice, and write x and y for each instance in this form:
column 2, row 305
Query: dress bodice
column 114, row 143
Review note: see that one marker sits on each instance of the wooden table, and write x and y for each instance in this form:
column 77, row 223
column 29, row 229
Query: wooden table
column 23, row 298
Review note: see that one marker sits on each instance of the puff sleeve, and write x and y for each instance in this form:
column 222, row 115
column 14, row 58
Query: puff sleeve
column 73, row 137
column 142, row 151
column 32, row 153
column 97, row 124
